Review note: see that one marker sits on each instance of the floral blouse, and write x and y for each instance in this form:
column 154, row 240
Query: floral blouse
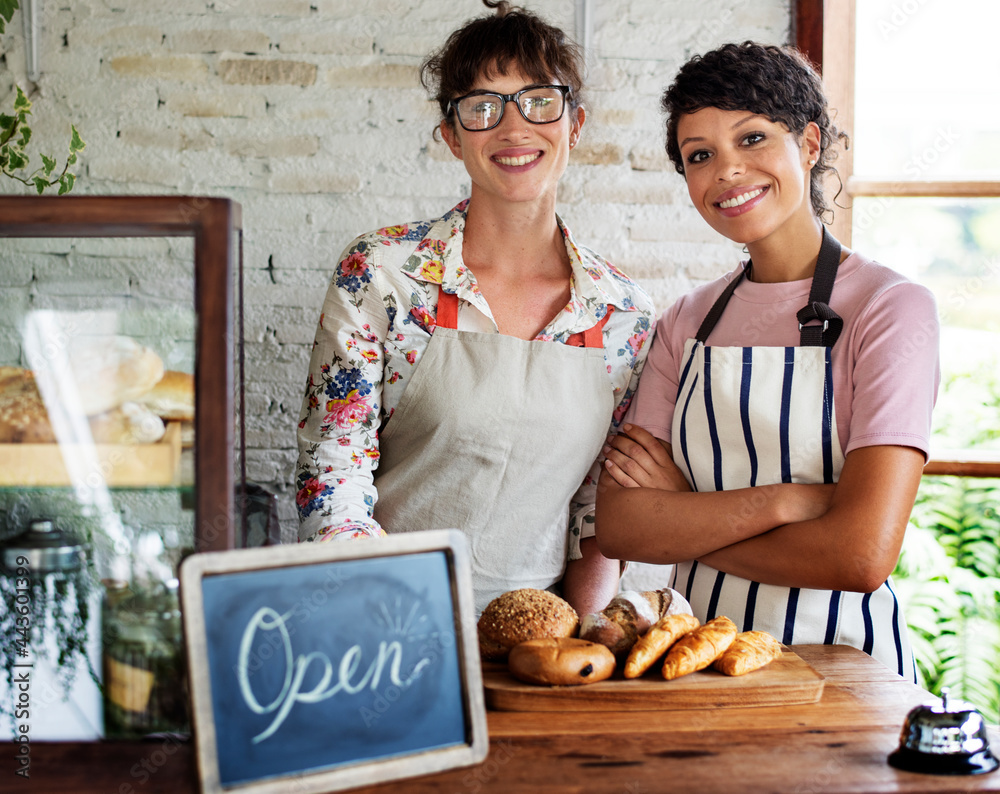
column 378, row 316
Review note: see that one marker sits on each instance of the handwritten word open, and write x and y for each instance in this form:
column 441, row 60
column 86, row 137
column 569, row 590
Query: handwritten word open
column 267, row 619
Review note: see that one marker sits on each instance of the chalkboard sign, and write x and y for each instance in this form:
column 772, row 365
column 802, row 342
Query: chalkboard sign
column 333, row 664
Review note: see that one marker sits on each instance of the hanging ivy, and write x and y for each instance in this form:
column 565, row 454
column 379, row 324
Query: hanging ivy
column 37, row 608
column 15, row 135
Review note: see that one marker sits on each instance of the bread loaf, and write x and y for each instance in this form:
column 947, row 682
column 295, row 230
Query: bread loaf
column 561, row 661
column 109, row 370
column 172, row 397
column 23, row 418
column 629, row 615
column 520, row 615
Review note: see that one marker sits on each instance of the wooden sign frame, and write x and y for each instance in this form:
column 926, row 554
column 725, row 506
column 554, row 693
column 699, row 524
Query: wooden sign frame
column 196, row 582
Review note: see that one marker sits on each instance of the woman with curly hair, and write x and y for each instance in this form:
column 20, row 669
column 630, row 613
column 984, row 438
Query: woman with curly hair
column 777, row 439
column 468, row 369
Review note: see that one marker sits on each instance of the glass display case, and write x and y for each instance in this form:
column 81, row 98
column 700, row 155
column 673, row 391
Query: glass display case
column 121, row 392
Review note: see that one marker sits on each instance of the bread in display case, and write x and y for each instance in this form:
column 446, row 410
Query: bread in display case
column 107, row 404
column 120, row 424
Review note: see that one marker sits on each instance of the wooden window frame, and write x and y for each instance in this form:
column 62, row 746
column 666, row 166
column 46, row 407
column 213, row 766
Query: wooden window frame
column 823, row 30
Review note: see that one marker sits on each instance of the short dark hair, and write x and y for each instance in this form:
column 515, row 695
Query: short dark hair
column 775, row 82
column 513, row 38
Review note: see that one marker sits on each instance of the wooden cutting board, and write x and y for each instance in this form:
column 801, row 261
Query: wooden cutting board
column 785, row 681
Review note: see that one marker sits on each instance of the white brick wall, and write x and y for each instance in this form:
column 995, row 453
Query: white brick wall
column 310, row 114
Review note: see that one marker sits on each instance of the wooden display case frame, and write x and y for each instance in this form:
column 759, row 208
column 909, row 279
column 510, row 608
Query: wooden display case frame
column 215, row 224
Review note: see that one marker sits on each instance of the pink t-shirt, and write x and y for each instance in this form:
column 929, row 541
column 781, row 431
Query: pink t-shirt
column 885, row 363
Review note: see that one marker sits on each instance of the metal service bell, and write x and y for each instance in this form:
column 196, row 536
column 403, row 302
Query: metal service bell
column 945, row 739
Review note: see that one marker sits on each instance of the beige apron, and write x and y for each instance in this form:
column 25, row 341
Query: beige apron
column 493, row 436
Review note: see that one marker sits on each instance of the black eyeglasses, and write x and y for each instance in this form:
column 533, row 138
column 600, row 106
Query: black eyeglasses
column 538, row 104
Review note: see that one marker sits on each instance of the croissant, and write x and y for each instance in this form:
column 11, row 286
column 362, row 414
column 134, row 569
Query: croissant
column 697, row 649
column 654, row 643
column 751, row 650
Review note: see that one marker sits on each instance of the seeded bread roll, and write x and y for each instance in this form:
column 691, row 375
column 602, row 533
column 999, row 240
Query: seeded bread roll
column 561, row 661
column 520, row 615
column 23, row 418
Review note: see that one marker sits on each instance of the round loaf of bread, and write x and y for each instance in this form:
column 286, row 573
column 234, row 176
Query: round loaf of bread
column 172, row 397
column 561, row 661
column 520, row 615
column 110, row 370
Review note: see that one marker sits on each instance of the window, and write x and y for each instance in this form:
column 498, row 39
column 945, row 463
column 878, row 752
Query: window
column 913, row 82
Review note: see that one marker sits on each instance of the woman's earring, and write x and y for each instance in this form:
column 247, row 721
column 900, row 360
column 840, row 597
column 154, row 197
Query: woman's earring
column 812, row 162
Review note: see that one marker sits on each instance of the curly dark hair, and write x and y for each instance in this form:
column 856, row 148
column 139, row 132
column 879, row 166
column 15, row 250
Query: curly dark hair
column 513, row 38
column 775, row 82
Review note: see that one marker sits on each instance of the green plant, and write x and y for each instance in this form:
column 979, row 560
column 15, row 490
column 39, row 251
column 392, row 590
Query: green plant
column 15, row 135
column 948, row 578
column 7, row 9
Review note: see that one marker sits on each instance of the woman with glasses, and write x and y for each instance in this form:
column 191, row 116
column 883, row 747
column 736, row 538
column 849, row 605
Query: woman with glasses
column 468, row 369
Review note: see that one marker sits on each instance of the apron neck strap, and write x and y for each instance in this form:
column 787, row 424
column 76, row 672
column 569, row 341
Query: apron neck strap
column 447, row 317
column 708, row 324
column 818, row 308
column 447, row 310
column 830, row 324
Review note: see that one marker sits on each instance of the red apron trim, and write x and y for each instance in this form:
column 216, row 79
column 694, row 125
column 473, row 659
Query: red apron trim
column 447, row 317
column 447, row 313
column 593, row 336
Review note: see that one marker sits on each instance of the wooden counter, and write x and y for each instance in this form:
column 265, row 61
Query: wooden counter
column 839, row 744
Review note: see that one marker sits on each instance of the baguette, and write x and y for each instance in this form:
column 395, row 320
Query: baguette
column 655, row 642
column 697, row 649
column 750, row 651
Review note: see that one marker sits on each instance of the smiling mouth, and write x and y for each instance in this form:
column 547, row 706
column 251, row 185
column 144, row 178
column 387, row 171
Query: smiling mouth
column 522, row 160
column 741, row 199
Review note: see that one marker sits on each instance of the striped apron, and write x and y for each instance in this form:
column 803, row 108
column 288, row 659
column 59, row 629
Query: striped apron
column 749, row 416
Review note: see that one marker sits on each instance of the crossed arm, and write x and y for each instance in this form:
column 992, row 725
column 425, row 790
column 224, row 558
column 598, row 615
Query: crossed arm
column 845, row 536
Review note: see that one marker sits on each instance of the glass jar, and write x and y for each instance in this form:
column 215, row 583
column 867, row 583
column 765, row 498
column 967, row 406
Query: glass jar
column 145, row 687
